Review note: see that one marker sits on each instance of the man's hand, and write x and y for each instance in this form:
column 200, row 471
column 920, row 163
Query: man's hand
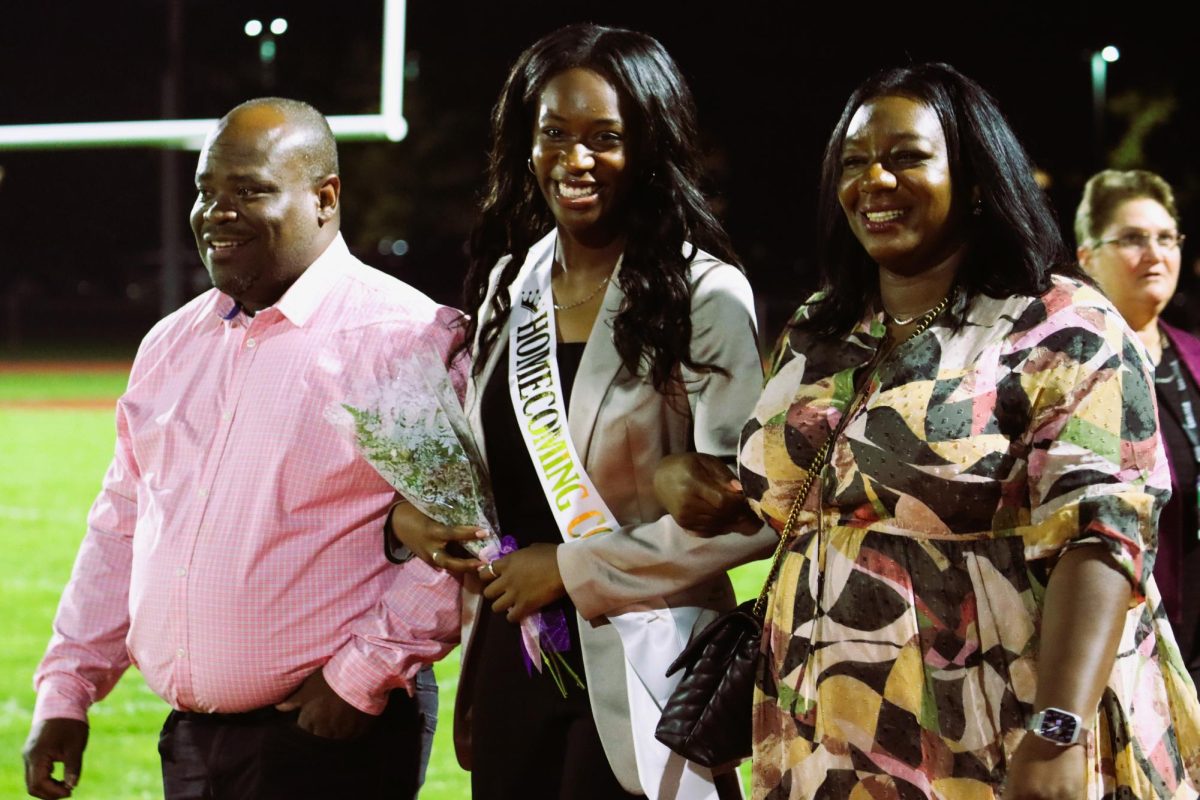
column 702, row 495
column 1042, row 770
column 323, row 712
column 523, row 582
column 429, row 540
column 52, row 741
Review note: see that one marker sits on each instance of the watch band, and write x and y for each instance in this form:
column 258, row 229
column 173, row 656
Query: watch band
column 393, row 549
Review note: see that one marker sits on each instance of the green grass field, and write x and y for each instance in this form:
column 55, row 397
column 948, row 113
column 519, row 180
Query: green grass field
column 54, row 447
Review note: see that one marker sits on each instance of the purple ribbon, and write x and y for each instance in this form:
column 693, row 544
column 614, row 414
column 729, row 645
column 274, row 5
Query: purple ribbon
column 553, row 634
column 556, row 636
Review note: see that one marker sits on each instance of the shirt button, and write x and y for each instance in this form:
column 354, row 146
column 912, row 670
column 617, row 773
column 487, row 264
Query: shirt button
column 226, row 416
column 180, row 653
column 181, row 571
column 250, row 342
column 202, row 492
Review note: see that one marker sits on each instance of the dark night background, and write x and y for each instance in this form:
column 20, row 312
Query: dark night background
column 80, row 229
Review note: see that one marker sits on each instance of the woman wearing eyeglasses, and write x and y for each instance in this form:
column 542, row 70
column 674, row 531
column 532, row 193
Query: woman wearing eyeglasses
column 1129, row 242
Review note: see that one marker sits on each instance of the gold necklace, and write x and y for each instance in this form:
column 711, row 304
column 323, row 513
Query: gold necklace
column 889, row 345
column 578, row 303
column 926, row 320
column 902, row 321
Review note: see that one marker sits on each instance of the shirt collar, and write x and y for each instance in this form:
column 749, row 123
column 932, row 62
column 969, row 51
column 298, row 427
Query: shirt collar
column 302, row 298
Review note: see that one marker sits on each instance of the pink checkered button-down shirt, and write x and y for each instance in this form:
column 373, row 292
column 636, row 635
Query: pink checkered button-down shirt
column 236, row 543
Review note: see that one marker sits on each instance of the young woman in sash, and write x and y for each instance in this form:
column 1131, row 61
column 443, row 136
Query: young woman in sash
column 612, row 330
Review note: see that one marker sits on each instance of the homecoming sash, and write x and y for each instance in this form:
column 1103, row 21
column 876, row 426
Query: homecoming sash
column 652, row 634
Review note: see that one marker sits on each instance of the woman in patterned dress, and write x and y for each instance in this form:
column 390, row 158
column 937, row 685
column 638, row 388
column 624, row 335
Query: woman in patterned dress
column 977, row 546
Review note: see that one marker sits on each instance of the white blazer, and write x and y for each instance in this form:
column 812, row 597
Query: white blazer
column 622, row 428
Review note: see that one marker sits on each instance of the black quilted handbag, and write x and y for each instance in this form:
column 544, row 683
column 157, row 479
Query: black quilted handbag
column 707, row 718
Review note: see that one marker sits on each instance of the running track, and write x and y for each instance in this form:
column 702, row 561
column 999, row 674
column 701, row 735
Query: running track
column 10, row 370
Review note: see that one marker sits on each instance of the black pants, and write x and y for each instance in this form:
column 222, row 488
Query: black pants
column 563, row 760
column 553, row 759
column 263, row 755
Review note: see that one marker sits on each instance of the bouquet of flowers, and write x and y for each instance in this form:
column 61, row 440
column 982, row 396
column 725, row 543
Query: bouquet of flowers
column 411, row 428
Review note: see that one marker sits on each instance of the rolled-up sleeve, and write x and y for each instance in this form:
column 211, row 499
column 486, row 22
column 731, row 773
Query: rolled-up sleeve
column 1098, row 473
column 416, row 622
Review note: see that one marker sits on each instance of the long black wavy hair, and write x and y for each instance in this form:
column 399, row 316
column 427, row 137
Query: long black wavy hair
column 1014, row 242
column 665, row 206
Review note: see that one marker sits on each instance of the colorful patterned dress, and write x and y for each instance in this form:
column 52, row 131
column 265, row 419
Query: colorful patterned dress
column 977, row 458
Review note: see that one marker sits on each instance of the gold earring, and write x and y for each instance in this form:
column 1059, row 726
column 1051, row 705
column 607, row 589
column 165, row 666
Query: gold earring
column 529, row 163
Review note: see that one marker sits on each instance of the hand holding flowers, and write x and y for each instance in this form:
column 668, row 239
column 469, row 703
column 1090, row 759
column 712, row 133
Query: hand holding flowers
column 409, row 426
column 438, row 545
column 524, row 582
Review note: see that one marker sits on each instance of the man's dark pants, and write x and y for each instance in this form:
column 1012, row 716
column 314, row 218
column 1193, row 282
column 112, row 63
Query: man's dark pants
column 263, row 755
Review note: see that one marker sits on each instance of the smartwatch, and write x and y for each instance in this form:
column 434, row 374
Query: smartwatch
column 1058, row 726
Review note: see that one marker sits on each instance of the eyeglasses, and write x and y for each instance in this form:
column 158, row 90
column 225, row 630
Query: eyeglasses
column 1139, row 241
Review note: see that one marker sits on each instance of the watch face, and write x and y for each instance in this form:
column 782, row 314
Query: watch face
column 1058, row 726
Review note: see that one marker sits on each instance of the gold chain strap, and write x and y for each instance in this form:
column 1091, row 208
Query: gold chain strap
column 788, row 526
column 818, row 462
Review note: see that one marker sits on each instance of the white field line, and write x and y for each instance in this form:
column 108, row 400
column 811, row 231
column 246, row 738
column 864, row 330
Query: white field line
column 15, row 712
column 28, row 514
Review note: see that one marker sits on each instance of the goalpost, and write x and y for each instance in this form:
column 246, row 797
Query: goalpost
column 173, row 135
column 188, row 134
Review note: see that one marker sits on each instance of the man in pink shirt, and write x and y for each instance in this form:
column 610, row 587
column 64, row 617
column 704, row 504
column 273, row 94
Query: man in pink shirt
column 233, row 554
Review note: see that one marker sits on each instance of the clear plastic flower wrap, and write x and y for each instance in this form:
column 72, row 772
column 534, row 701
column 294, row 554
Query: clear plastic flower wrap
column 410, row 427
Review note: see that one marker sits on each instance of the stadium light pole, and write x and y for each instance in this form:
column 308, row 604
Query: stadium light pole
column 1100, row 60
column 171, row 272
